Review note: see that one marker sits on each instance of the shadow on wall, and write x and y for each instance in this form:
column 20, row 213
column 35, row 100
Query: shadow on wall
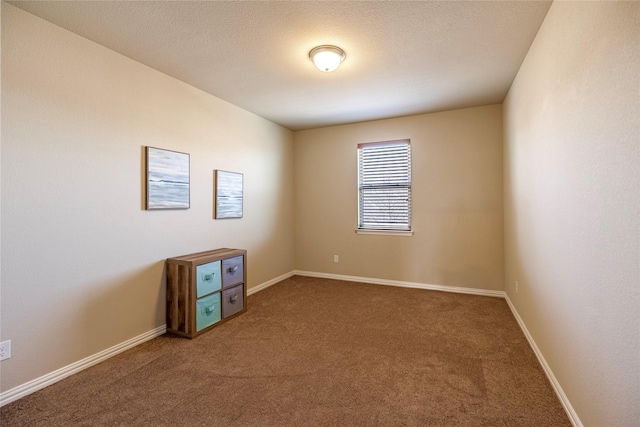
column 130, row 304
column 469, row 244
column 267, row 228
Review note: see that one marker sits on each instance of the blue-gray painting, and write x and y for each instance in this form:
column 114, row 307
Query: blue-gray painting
column 167, row 179
column 228, row 194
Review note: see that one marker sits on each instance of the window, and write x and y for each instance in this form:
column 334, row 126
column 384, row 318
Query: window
column 384, row 186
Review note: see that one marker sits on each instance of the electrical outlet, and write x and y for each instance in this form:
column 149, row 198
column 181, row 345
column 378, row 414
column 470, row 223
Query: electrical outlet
column 336, row 258
column 5, row 350
column 516, row 286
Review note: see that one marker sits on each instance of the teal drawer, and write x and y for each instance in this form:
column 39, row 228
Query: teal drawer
column 208, row 278
column 207, row 311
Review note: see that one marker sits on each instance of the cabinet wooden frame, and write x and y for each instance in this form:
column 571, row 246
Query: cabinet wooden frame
column 182, row 294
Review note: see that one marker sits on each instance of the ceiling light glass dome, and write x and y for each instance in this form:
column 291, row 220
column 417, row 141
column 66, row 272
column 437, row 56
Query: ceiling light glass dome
column 327, row 58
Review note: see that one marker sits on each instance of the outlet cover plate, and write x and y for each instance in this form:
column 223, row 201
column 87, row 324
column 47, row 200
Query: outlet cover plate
column 5, row 350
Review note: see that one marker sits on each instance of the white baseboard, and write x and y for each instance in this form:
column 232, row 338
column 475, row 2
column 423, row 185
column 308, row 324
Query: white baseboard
column 62, row 373
column 271, row 282
column 564, row 400
column 455, row 289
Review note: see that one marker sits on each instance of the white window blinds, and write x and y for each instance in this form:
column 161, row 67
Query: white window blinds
column 384, row 185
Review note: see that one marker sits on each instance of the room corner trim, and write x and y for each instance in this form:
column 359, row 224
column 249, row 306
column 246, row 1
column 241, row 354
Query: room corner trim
column 564, row 400
column 62, row 373
column 268, row 283
column 455, row 289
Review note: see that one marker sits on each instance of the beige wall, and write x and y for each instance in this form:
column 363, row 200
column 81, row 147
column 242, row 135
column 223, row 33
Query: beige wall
column 82, row 262
column 572, row 205
column 457, row 201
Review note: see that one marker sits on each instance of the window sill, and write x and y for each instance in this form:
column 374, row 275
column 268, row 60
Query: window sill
column 405, row 233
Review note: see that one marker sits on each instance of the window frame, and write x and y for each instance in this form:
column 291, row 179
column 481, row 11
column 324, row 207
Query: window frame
column 366, row 228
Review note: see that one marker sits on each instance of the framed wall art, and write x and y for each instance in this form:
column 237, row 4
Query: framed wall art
column 228, row 197
column 167, row 175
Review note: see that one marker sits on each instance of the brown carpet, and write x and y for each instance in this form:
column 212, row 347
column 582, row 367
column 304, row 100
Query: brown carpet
column 317, row 352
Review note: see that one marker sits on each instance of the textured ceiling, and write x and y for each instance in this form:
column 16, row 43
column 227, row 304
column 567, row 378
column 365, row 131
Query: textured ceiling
column 402, row 57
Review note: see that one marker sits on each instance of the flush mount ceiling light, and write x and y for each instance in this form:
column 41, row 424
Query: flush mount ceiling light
column 327, row 58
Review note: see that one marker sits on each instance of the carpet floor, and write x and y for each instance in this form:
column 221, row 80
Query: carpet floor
column 318, row 352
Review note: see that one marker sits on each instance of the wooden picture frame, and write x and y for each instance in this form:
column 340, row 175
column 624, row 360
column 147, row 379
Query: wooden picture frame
column 229, row 194
column 167, row 179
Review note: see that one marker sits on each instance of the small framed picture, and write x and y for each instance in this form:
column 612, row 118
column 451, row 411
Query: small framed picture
column 228, row 197
column 167, row 174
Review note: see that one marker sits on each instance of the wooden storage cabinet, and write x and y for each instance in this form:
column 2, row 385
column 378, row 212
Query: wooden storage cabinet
column 205, row 289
